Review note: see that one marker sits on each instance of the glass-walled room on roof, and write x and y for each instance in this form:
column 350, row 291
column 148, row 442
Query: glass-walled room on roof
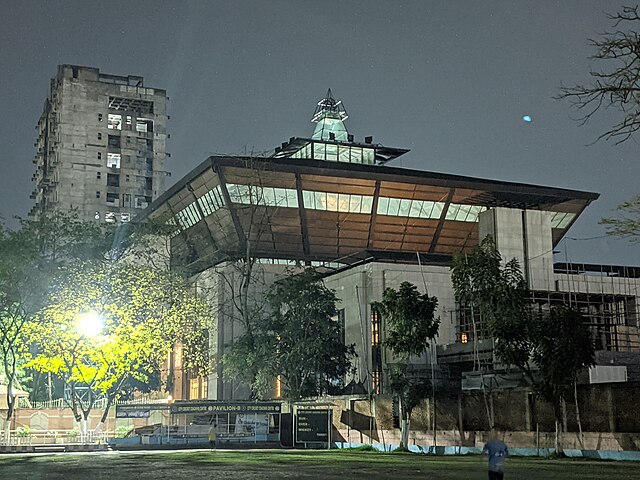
column 332, row 152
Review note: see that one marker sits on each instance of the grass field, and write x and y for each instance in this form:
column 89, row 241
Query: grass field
column 253, row 465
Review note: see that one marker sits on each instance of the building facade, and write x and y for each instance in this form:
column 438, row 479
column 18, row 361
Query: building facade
column 331, row 202
column 101, row 146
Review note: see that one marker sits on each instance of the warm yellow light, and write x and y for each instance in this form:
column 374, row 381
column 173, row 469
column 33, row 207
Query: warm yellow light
column 278, row 387
column 90, row 324
column 464, row 338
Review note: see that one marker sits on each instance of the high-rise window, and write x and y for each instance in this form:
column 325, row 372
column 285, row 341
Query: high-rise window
column 376, row 353
column 114, row 122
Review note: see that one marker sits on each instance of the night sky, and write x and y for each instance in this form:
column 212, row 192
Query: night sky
column 451, row 80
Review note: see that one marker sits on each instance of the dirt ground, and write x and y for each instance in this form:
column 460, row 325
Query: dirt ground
column 253, row 465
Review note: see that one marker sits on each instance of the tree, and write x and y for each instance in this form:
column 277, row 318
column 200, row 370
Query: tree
column 617, row 86
column 627, row 225
column 563, row 348
column 29, row 257
column 557, row 342
column 497, row 295
column 138, row 314
column 298, row 342
column 14, row 310
column 410, row 327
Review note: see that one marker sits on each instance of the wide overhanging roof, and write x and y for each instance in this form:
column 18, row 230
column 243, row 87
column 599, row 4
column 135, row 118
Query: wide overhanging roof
column 320, row 211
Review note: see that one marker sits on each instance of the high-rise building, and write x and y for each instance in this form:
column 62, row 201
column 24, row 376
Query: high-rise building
column 101, row 145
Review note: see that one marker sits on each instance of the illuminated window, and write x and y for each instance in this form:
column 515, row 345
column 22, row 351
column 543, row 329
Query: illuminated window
column 268, row 196
column 375, row 328
column 114, row 122
column 464, row 213
column 194, row 389
column 188, row 216
column 113, row 160
column 125, row 217
column 337, row 202
column 463, row 337
column 376, row 353
column 278, row 387
column 211, row 201
column 144, row 125
column 110, row 217
column 204, row 391
column 409, row 208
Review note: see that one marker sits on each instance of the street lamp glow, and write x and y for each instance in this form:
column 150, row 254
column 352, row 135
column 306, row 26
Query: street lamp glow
column 90, row 324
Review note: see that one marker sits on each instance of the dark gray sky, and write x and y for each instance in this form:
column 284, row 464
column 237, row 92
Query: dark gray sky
column 450, row 80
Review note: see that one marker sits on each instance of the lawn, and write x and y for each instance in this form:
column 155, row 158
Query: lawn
column 277, row 464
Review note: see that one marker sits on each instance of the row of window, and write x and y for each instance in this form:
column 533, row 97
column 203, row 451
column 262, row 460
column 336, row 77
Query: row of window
column 338, row 202
column 115, row 122
column 336, row 153
column 113, row 200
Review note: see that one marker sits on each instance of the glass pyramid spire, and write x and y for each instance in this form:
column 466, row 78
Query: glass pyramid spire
column 329, row 118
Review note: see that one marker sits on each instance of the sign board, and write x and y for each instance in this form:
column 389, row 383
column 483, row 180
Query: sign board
column 312, row 426
column 140, row 410
column 200, row 407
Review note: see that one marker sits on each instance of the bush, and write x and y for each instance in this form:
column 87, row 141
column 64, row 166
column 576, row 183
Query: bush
column 124, row 431
column 362, row 448
column 24, row 431
column 73, row 432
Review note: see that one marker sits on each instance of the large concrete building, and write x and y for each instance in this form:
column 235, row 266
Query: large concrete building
column 101, row 145
column 331, row 202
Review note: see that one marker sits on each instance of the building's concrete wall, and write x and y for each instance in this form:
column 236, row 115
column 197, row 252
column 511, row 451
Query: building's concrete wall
column 221, row 285
column 73, row 149
column 359, row 287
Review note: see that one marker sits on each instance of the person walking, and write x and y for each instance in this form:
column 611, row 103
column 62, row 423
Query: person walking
column 497, row 452
column 213, row 438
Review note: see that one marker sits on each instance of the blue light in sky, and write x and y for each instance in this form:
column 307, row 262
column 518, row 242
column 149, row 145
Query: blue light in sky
column 527, row 118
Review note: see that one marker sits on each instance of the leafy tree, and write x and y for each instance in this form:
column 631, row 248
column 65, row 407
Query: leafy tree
column 497, row 295
column 557, row 342
column 563, row 348
column 144, row 313
column 15, row 309
column 410, row 326
column 297, row 342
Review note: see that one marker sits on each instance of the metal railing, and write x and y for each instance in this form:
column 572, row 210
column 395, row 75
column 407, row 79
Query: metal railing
column 52, row 437
column 100, row 403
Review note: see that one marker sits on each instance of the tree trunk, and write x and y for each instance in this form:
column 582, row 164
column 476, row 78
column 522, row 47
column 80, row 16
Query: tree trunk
column 575, row 397
column 404, row 426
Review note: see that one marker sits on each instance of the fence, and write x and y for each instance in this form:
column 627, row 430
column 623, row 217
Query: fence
column 52, row 437
column 100, row 403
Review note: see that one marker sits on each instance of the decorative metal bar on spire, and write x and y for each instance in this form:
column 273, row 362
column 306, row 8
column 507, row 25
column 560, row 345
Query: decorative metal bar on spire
column 329, row 117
